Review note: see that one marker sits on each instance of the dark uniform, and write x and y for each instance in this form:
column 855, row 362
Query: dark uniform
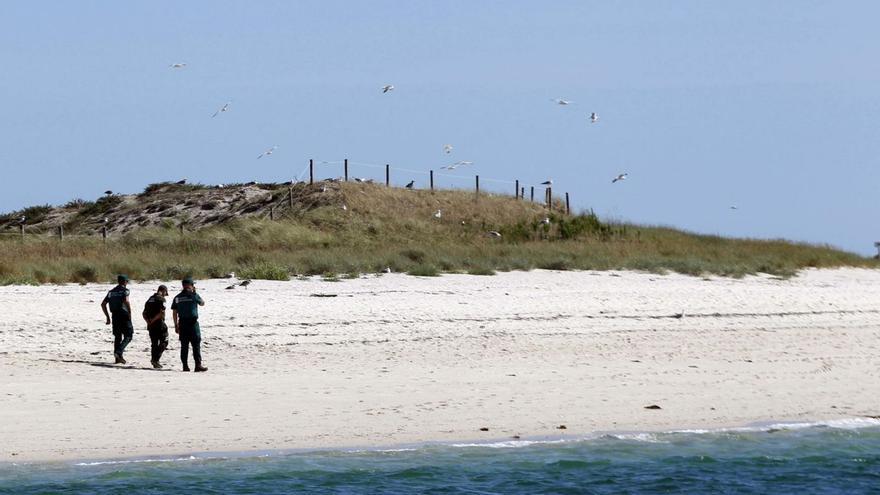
column 122, row 328
column 158, row 330
column 187, row 305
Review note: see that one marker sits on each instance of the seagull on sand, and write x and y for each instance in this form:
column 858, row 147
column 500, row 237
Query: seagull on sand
column 387, row 88
column 494, row 233
column 447, row 148
column 181, row 182
column 548, row 182
column 222, row 109
column 594, row 117
column 230, row 287
column 619, row 177
column 178, row 65
column 411, row 184
column 245, row 283
column 438, row 214
column 267, row 152
column 561, row 101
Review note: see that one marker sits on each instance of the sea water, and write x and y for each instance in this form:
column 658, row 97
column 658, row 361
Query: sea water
column 841, row 457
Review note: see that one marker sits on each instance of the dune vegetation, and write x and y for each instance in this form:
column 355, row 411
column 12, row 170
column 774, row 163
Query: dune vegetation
column 340, row 230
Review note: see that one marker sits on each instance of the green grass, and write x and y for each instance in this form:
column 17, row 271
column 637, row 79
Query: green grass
column 393, row 228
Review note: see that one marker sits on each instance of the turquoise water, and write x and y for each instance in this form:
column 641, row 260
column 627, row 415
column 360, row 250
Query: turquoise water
column 805, row 460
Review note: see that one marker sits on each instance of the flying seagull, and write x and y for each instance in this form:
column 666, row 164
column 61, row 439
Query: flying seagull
column 178, row 65
column 222, row 109
column 411, row 184
column 267, row 152
column 181, row 182
column 619, row 177
column 594, row 117
column 387, row 88
column 548, row 182
column 447, row 148
column 457, row 164
column 561, row 101
column 734, row 207
column 438, row 214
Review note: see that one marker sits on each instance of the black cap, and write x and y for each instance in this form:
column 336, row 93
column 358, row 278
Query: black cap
column 122, row 278
column 188, row 281
column 162, row 288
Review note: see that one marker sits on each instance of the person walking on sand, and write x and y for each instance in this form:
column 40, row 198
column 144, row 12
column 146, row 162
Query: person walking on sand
column 154, row 315
column 120, row 308
column 185, row 311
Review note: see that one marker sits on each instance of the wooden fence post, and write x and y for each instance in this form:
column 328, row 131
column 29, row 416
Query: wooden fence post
column 516, row 190
column 346, row 170
column 522, row 193
column 290, row 197
column 550, row 198
column 387, row 175
column 567, row 205
column 21, row 230
column 271, row 213
column 104, row 231
column 478, row 186
column 432, row 179
column 311, row 171
column 532, row 194
column 61, row 232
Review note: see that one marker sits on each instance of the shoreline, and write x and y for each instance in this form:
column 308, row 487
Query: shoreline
column 767, row 426
column 400, row 360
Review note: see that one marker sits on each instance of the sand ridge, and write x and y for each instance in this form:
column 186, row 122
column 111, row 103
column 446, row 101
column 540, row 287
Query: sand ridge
column 394, row 359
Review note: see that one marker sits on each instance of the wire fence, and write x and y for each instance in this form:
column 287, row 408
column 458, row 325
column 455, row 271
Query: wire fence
column 340, row 170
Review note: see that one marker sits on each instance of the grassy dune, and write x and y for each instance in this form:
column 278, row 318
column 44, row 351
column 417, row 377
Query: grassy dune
column 393, row 228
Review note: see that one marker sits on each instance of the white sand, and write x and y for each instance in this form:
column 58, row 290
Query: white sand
column 398, row 359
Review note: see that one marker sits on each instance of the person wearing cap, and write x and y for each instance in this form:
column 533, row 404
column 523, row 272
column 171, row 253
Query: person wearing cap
column 117, row 300
column 154, row 315
column 185, row 311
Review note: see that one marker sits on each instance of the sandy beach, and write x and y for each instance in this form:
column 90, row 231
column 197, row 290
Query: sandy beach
column 393, row 359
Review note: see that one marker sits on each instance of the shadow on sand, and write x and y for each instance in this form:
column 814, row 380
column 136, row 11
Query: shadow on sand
column 102, row 364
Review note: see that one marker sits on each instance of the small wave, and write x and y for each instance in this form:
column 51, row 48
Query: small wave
column 140, row 461
column 636, row 437
column 842, row 424
column 514, row 444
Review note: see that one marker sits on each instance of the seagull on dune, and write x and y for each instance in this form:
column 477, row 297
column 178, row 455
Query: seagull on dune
column 222, row 109
column 387, row 88
column 22, row 220
column 108, row 192
column 438, row 214
column 178, row 65
column 411, row 184
column 546, row 221
column 181, row 182
column 594, row 117
column 267, row 152
column 494, row 233
column 619, row 178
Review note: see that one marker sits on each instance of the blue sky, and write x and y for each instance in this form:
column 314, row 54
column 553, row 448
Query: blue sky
column 770, row 106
